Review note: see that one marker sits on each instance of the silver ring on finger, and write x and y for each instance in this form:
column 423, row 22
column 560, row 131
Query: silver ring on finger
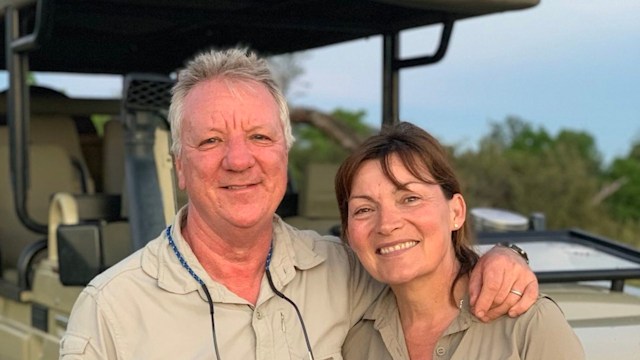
column 516, row 292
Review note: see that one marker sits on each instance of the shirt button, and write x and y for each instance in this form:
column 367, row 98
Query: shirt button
column 259, row 315
column 441, row 351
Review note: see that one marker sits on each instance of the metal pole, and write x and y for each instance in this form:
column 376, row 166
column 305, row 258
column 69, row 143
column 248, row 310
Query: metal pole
column 18, row 120
column 390, row 80
column 391, row 65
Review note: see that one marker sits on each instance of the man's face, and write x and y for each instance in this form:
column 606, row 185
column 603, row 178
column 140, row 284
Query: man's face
column 233, row 162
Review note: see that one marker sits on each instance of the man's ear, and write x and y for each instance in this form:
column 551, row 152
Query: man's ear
column 177, row 161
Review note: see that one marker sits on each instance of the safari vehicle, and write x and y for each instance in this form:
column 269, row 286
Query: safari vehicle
column 585, row 274
column 73, row 203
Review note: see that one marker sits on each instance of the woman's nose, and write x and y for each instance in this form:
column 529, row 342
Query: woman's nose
column 389, row 220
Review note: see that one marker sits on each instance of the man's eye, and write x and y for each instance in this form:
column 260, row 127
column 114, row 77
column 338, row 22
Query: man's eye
column 260, row 137
column 209, row 141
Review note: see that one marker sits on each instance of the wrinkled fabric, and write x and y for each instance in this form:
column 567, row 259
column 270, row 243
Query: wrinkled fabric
column 148, row 306
column 540, row 333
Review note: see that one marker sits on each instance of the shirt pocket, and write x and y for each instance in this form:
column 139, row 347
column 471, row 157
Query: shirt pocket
column 336, row 356
column 72, row 344
column 293, row 335
column 291, row 329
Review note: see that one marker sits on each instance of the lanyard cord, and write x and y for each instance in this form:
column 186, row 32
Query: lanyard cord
column 277, row 292
column 184, row 264
column 204, row 287
column 304, row 329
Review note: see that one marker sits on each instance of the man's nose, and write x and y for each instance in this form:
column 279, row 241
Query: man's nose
column 238, row 156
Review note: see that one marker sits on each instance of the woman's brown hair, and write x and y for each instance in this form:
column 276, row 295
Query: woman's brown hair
column 422, row 155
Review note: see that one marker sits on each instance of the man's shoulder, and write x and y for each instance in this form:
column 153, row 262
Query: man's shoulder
column 126, row 269
column 308, row 244
column 311, row 237
column 115, row 273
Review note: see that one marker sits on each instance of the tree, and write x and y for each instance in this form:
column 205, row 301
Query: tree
column 527, row 170
column 329, row 142
column 287, row 70
column 343, row 127
column 624, row 203
column 321, row 137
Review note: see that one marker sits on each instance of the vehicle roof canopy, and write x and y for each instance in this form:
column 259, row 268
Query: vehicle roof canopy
column 122, row 36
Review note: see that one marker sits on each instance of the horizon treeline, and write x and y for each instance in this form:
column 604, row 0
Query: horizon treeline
column 521, row 168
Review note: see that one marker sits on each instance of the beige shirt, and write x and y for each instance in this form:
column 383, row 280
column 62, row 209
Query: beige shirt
column 540, row 333
column 149, row 307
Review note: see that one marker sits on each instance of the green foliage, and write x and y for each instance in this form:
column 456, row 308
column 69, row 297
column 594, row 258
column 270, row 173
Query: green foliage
column 518, row 135
column 31, row 79
column 98, row 121
column 314, row 146
column 624, row 204
column 354, row 120
column 528, row 170
column 523, row 169
column 585, row 146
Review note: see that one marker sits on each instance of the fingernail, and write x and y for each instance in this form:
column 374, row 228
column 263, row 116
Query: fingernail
column 480, row 314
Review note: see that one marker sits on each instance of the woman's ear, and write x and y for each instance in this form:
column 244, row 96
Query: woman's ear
column 458, row 210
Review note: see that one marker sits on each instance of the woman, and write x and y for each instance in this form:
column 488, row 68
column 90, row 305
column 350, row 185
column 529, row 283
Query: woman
column 403, row 214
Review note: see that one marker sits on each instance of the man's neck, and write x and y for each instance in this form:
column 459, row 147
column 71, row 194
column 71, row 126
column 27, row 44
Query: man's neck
column 236, row 261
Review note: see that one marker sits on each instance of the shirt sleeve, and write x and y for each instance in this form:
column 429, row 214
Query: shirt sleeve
column 88, row 334
column 364, row 290
column 547, row 334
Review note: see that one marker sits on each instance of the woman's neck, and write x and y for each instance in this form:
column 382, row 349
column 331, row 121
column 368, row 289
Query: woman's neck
column 427, row 308
column 427, row 300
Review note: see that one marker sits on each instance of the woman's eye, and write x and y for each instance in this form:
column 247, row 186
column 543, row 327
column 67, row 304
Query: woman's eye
column 361, row 211
column 410, row 199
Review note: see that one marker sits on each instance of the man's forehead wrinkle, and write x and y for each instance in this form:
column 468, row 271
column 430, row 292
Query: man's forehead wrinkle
column 232, row 104
column 233, row 120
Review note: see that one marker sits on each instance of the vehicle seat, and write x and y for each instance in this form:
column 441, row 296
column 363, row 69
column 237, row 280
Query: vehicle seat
column 56, row 164
column 317, row 207
column 113, row 157
column 61, row 131
column 50, row 171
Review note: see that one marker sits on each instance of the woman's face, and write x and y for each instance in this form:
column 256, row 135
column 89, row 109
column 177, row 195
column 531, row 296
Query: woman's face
column 401, row 234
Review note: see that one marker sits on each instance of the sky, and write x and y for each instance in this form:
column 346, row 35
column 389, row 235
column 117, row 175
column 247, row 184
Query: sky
column 564, row 64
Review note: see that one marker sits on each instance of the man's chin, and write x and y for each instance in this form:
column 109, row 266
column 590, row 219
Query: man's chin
column 245, row 220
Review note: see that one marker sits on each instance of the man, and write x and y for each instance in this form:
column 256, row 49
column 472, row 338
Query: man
column 229, row 279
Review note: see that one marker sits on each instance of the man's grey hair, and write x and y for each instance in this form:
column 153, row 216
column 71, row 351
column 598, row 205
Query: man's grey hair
column 233, row 64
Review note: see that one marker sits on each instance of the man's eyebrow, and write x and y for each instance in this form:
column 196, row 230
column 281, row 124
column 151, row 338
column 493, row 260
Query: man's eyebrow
column 262, row 126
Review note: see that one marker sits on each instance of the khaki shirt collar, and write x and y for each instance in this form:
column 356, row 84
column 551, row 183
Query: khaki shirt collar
column 463, row 321
column 290, row 252
column 384, row 314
